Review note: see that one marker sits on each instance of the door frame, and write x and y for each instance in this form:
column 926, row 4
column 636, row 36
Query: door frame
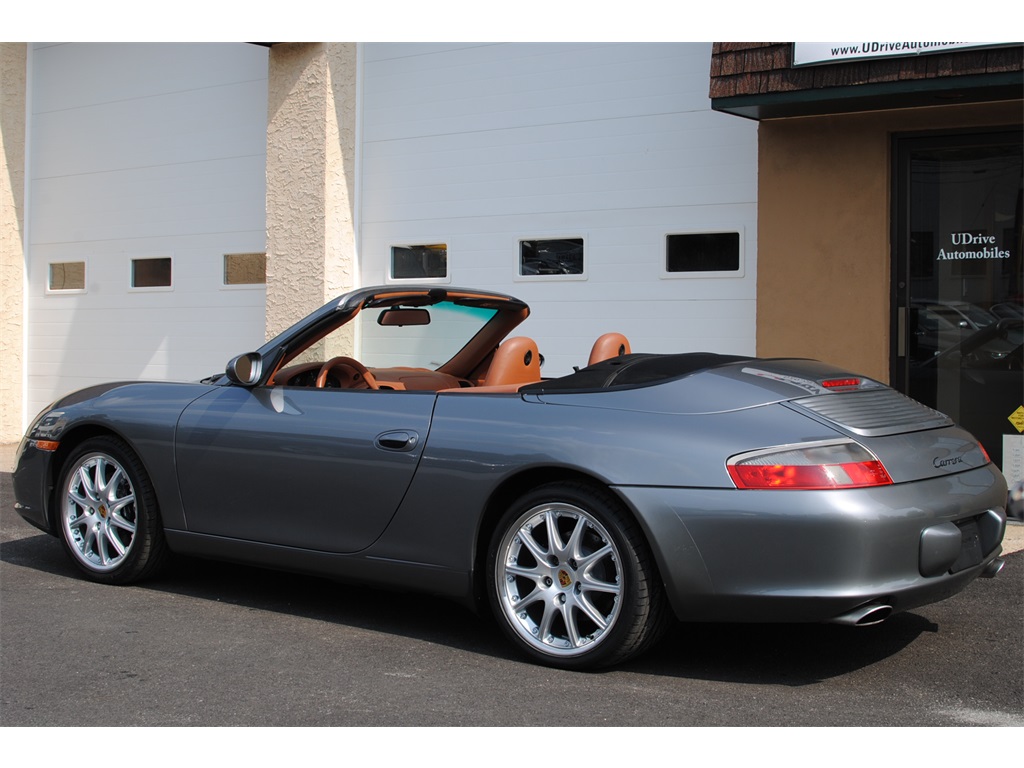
column 902, row 144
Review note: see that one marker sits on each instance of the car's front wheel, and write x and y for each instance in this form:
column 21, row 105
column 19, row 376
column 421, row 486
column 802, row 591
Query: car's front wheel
column 109, row 522
column 572, row 581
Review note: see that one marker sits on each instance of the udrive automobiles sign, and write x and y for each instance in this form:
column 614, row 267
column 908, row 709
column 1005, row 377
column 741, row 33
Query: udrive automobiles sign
column 826, row 53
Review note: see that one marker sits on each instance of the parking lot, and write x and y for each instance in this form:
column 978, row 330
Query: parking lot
column 212, row 644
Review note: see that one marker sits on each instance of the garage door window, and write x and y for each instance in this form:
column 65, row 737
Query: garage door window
column 703, row 254
column 551, row 258
column 245, row 269
column 151, row 273
column 66, row 277
column 412, row 262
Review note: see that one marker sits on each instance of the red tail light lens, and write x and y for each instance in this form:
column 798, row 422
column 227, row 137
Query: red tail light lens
column 815, row 466
column 841, row 383
column 988, row 459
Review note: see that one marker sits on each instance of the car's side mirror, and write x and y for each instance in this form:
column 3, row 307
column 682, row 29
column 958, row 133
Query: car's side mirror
column 245, row 369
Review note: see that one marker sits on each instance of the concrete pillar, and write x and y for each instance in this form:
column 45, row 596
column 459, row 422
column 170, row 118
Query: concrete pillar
column 12, row 243
column 311, row 255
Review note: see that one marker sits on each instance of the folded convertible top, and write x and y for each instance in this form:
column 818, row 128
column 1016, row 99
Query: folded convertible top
column 633, row 371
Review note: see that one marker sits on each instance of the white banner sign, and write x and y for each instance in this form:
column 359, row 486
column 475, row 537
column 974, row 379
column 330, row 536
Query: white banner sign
column 824, row 53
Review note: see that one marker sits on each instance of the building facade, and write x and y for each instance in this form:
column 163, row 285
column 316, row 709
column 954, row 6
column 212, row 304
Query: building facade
column 890, row 216
column 592, row 180
column 134, row 214
column 561, row 173
column 165, row 207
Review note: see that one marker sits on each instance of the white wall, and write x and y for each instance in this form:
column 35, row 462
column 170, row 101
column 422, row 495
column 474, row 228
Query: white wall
column 479, row 146
column 140, row 150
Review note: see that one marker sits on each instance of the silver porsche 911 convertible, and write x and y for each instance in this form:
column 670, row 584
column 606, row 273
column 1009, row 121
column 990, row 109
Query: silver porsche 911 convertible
column 586, row 511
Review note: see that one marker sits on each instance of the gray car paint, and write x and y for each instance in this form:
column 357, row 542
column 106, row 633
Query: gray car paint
column 298, row 467
column 299, row 479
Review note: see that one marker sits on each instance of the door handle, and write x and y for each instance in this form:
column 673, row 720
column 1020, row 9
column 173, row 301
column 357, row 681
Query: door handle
column 397, row 440
column 901, row 332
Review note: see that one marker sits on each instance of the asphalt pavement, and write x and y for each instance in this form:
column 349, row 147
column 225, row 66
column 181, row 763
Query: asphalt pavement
column 211, row 644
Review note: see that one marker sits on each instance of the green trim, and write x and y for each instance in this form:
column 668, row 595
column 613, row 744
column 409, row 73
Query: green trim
column 935, row 91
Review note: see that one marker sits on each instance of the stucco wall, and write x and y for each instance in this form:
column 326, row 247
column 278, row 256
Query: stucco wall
column 824, row 190
column 12, row 218
column 310, row 179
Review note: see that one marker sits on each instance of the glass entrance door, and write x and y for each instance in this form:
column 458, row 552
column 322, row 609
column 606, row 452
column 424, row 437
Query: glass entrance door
column 957, row 284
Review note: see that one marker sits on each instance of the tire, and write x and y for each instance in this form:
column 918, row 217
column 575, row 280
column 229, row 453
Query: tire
column 571, row 580
column 108, row 517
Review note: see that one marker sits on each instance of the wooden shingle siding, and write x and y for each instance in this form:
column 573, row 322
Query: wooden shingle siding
column 748, row 69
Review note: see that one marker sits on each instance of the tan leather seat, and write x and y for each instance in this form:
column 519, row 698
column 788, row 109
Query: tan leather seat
column 516, row 361
column 608, row 346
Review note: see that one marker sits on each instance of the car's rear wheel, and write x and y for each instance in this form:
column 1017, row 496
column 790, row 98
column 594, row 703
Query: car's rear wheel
column 572, row 581
column 109, row 521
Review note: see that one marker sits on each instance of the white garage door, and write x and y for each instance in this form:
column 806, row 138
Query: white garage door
column 146, row 223
column 591, row 180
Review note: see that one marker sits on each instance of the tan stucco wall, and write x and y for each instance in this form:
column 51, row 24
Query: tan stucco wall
column 12, row 220
column 823, row 266
column 311, row 254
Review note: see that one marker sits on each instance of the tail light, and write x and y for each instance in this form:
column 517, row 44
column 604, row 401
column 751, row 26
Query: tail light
column 988, row 459
column 813, row 466
column 848, row 383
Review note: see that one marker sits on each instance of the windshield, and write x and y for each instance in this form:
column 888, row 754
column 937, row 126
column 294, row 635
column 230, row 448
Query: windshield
column 450, row 327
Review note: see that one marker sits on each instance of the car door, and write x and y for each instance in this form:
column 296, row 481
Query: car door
column 320, row 469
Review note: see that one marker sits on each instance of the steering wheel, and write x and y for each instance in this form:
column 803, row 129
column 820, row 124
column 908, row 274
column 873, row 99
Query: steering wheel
column 351, row 373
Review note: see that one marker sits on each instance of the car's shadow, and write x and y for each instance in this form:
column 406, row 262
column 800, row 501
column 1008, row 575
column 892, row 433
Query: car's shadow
column 774, row 654
column 39, row 552
column 778, row 654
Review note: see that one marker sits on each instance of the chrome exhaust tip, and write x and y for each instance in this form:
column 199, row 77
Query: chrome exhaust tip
column 865, row 615
column 992, row 570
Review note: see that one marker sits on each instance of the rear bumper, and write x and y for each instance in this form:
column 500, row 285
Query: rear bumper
column 729, row 555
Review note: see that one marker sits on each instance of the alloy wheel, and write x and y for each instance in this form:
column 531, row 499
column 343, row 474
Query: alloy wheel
column 558, row 575
column 100, row 514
